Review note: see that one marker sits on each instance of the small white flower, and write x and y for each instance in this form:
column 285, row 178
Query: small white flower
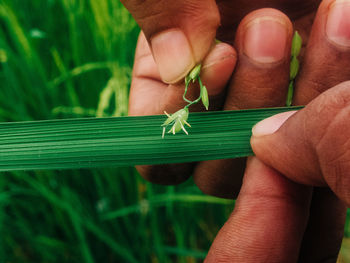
column 177, row 120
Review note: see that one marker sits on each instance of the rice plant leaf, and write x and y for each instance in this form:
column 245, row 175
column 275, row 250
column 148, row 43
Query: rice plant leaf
column 126, row 141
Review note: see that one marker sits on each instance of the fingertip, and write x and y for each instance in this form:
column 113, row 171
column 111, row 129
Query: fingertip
column 264, row 36
column 263, row 44
column 173, row 54
column 218, row 67
column 271, row 124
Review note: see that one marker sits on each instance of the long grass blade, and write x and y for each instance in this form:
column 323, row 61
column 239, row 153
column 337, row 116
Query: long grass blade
column 125, row 141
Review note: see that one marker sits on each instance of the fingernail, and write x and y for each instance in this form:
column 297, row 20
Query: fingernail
column 271, row 125
column 338, row 22
column 265, row 39
column 173, row 55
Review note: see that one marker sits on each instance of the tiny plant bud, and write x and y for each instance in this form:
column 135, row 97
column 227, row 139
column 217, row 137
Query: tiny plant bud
column 205, row 98
column 296, row 44
column 194, row 74
column 294, row 67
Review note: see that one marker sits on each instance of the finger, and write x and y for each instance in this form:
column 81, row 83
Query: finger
column 180, row 32
column 312, row 146
column 149, row 95
column 324, row 233
column 327, row 58
column 325, row 65
column 260, row 80
column 232, row 13
column 263, row 43
column 268, row 221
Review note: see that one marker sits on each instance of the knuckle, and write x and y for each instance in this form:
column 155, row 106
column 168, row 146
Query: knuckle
column 196, row 9
column 337, row 97
column 311, row 88
column 326, row 117
column 266, row 84
column 333, row 151
column 173, row 14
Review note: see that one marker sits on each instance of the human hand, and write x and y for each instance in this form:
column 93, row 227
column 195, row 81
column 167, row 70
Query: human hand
column 272, row 211
column 274, row 220
column 181, row 33
column 250, row 87
column 318, row 73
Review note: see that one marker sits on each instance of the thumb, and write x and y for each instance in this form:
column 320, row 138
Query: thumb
column 179, row 32
column 311, row 146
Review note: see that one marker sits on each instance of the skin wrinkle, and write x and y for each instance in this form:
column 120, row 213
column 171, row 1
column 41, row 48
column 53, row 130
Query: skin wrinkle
column 268, row 99
column 326, row 105
column 329, row 126
column 332, row 80
column 312, row 92
column 292, row 198
column 249, row 246
column 232, row 16
column 342, row 154
column 138, row 71
column 245, row 221
column 232, row 56
column 335, row 55
column 335, row 167
column 137, row 8
column 306, row 142
column 155, row 16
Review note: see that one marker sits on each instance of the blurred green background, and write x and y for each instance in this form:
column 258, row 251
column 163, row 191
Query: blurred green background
column 68, row 59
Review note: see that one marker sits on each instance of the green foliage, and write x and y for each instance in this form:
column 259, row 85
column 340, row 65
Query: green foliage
column 68, row 59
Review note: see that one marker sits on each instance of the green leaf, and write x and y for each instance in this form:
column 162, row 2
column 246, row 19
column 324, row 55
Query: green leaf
column 126, row 141
column 296, row 44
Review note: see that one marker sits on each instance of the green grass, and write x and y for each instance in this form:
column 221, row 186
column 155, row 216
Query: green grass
column 69, row 59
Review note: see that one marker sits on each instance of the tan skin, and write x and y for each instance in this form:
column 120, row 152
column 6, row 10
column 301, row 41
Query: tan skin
column 275, row 219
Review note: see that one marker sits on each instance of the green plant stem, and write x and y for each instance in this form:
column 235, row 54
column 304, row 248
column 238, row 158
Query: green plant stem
column 184, row 95
column 190, row 103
